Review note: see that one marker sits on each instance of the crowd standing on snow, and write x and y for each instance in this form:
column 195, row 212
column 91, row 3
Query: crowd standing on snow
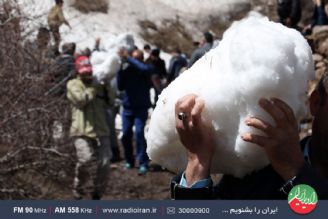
column 95, row 105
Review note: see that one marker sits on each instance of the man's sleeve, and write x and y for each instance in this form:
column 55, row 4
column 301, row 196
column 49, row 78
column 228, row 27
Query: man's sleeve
column 120, row 80
column 199, row 184
column 142, row 67
column 171, row 71
column 179, row 191
column 61, row 16
column 78, row 96
column 194, row 57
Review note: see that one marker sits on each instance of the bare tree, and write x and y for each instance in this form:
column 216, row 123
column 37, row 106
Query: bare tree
column 36, row 156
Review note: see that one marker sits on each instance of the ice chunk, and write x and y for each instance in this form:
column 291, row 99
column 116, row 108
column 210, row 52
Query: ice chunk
column 106, row 62
column 256, row 58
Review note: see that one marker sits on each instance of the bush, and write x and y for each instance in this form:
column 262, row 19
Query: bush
column 34, row 165
column 87, row 6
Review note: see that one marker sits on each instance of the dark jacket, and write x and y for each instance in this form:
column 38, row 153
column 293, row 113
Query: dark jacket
column 176, row 64
column 290, row 9
column 263, row 184
column 198, row 53
column 62, row 71
column 319, row 16
column 159, row 67
column 134, row 79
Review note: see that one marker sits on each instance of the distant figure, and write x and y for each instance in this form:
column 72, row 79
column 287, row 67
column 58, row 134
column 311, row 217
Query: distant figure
column 205, row 45
column 177, row 63
column 319, row 16
column 43, row 46
column 113, row 108
column 90, row 130
column 43, row 38
column 290, row 12
column 63, row 69
column 56, row 19
column 134, row 79
column 159, row 76
column 147, row 50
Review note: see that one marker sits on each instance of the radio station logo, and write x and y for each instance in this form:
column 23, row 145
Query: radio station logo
column 302, row 199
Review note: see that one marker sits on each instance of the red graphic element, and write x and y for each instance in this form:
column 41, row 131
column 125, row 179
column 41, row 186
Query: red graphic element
column 300, row 207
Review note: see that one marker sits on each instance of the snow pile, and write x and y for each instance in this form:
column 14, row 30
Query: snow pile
column 256, row 58
column 106, row 62
column 122, row 17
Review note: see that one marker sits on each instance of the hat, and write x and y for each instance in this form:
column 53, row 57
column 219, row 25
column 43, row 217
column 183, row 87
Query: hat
column 83, row 65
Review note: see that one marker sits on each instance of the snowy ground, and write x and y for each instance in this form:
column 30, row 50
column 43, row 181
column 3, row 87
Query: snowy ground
column 122, row 17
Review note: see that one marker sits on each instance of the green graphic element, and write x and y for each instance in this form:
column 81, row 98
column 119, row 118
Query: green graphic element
column 302, row 199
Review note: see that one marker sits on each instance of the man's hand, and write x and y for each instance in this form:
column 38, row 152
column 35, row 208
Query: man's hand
column 91, row 92
column 196, row 136
column 281, row 142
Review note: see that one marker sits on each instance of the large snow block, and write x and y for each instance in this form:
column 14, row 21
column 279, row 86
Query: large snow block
column 256, row 58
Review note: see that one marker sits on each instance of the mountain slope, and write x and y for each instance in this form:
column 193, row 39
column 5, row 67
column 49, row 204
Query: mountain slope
column 123, row 16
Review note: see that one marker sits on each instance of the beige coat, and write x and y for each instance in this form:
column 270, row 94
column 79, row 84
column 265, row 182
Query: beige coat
column 56, row 17
column 88, row 109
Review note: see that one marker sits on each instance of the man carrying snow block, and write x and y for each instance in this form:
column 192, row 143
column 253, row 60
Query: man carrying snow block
column 134, row 79
column 89, row 130
column 292, row 163
column 56, row 19
column 240, row 118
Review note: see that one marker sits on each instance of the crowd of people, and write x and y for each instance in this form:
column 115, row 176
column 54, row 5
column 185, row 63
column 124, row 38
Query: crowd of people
column 94, row 108
column 94, row 105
